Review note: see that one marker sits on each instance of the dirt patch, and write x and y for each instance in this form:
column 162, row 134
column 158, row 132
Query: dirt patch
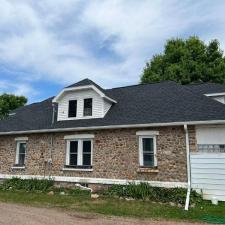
column 11, row 214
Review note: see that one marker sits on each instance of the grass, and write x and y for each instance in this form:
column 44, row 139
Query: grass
column 112, row 206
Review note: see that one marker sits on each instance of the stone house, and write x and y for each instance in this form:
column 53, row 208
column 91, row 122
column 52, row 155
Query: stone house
column 157, row 133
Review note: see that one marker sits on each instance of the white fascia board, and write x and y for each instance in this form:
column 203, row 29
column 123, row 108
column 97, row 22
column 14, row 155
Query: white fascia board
column 147, row 133
column 91, row 180
column 215, row 94
column 79, row 136
column 83, row 88
column 209, row 122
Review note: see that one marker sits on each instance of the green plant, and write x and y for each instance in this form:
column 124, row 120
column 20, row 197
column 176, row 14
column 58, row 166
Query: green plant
column 71, row 191
column 28, row 185
column 113, row 206
column 146, row 192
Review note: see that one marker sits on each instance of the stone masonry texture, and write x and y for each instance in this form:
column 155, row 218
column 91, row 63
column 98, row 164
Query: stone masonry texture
column 115, row 154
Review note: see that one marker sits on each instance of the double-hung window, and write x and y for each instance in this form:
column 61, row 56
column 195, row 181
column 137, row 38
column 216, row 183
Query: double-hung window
column 21, row 153
column 147, row 150
column 88, row 107
column 72, row 109
column 79, row 153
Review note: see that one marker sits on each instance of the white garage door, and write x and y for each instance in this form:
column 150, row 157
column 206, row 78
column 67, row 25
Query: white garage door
column 208, row 165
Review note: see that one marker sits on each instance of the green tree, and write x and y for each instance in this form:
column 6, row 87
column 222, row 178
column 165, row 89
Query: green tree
column 9, row 102
column 187, row 61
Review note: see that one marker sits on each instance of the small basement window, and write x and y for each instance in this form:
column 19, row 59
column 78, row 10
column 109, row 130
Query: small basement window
column 88, row 107
column 20, row 153
column 72, row 111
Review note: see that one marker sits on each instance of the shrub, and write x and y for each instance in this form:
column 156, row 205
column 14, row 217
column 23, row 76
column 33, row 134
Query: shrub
column 28, row 185
column 146, row 192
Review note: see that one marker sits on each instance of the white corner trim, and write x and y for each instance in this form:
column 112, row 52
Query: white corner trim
column 21, row 139
column 77, row 169
column 147, row 133
column 79, row 136
column 98, row 180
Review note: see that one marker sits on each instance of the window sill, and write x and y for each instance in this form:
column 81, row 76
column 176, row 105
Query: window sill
column 18, row 167
column 77, row 169
column 147, row 170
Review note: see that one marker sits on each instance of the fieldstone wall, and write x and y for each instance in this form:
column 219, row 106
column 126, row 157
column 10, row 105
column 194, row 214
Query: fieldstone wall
column 115, row 154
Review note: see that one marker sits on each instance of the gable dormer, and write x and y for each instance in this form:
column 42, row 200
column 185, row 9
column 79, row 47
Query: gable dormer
column 82, row 100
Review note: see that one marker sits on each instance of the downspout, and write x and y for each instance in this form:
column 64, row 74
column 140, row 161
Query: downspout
column 188, row 167
column 53, row 114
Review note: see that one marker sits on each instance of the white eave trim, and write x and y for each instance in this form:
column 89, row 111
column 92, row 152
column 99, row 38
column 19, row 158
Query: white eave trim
column 209, row 122
column 147, row 133
column 83, row 88
column 79, row 136
column 215, row 94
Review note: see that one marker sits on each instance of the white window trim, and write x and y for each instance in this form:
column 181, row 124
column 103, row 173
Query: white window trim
column 147, row 132
column 79, row 152
column 17, row 151
column 21, row 139
column 18, row 167
column 140, row 142
column 77, row 169
column 79, row 136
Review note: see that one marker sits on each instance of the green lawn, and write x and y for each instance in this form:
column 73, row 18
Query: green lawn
column 110, row 206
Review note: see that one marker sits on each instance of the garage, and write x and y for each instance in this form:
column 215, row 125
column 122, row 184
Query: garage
column 208, row 163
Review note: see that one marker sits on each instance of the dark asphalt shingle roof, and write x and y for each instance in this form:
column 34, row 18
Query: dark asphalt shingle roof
column 86, row 82
column 139, row 104
column 206, row 88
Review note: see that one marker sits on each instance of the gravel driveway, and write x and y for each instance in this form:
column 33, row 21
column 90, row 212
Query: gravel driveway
column 11, row 214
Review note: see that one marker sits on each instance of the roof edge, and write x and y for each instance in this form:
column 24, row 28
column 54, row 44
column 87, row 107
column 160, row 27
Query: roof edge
column 83, row 88
column 56, row 130
column 215, row 94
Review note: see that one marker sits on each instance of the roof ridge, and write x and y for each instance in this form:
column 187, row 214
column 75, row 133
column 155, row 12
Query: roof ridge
column 151, row 83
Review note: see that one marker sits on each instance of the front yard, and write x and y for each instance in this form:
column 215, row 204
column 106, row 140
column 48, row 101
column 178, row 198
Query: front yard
column 82, row 202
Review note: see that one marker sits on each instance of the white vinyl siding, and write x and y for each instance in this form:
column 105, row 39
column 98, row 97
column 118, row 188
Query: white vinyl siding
column 107, row 106
column 219, row 99
column 208, row 164
column 210, row 135
column 97, row 104
column 208, row 174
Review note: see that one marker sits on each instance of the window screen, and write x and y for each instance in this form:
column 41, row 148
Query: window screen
column 148, row 152
column 21, row 154
column 73, row 153
column 86, row 153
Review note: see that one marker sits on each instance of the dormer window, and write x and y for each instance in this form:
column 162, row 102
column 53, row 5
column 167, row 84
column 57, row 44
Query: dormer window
column 72, row 112
column 88, row 107
column 83, row 100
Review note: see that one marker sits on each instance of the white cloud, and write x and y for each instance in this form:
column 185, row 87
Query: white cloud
column 17, row 89
column 60, row 41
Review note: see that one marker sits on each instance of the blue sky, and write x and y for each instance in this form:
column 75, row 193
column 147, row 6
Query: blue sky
column 48, row 44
